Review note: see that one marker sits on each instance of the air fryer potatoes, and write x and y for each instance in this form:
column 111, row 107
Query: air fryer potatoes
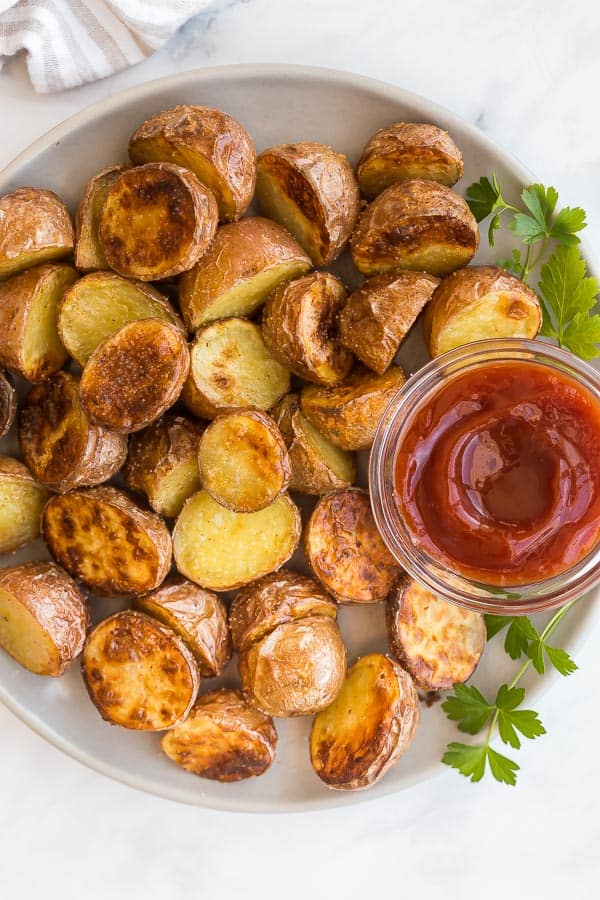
column 89, row 254
column 22, row 499
column 35, row 227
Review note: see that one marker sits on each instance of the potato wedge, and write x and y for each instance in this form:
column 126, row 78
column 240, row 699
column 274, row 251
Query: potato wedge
column 348, row 414
column 419, row 225
column 231, row 367
column 213, row 145
column 243, row 460
column 89, row 255
column 480, row 302
column 223, row 738
column 198, row 616
column 405, row 151
column 368, row 727
column 380, row 313
column 300, row 330
column 29, row 341
column 59, row 444
column 135, row 375
column 138, row 673
column 157, row 221
column 244, row 263
column 100, row 303
column 310, row 190
column 437, row 642
column 35, row 227
column 8, row 403
column 345, row 551
column 43, row 617
column 318, row 466
column 22, row 500
column 222, row 550
column 104, row 539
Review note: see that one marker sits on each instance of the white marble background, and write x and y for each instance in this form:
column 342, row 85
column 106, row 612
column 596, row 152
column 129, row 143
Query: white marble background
column 528, row 74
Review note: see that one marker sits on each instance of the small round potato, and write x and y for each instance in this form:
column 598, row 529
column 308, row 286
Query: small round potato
column 419, row 225
column 22, row 500
column 138, row 673
column 35, row 227
column 300, row 328
column 8, row 403
column 89, row 255
column 223, row 738
column 157, row 221
column 135, row 375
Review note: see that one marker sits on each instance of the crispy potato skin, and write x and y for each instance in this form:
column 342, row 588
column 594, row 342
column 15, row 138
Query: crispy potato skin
column 138, row 673
column 35, row 226
column 405, row 151
column 157, row 221
column 104, row 539
column 348, row 414
column 321, row 185
column 223, row 738
column 55, row 602
column 419, row 225
column 89, row 255
column 21, row 526
column 60, row 445
column 380, row 313
column 198, row 137
column 8, row 403
column 345, row 551
column 516, row 309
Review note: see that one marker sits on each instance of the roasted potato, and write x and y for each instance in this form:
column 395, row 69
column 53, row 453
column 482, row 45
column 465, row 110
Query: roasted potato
column 381, row 312
column 418, row 225
column 368, row 727
column 318, row 466
column 480, row 302
column 300, row 330
column 437, row 642
column 35, row 227
column 89, row 255
column 162, row 463
column 310, row 190
column 405, row 151
column 222, row 550
column 22, row 499
column 157, row 221
column 198, row 616
column 243, row 460
column 59, row 444
column 135, row 375
column 43, row 617
column 348, row 414
column 231, row 367
column 29, row 340
column 223, row 738
column 138, row 673
column 104, row 539
column 8, row 403
column 244, row 263
column 102, row 302
column 345, row 551
column 213, row 145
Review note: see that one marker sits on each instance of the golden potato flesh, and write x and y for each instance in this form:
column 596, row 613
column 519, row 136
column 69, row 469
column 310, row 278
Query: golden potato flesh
column 89, row 254
column 22, row 500
column 35, row 227
column 8, row 403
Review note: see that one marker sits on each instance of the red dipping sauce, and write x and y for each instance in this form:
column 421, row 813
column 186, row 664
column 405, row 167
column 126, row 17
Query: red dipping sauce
column 498, row 474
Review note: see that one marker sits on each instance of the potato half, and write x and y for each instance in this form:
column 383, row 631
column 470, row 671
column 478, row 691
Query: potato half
column 300, row 328
column 35, row 227
column 104, row 539
column 8, row 403
column 43, row 617
column 310, row 190
column 89, row 254
column 223, row 738
column 22, row 500
column 380, row 313
column 63, row 449
column 222, row 550
column 480, row 302
column 368, row 727
column 157, row 221
column 419, row 225
column 212, row 144
column 138, row 673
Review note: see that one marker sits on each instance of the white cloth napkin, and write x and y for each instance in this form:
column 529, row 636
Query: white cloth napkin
column 70, row 42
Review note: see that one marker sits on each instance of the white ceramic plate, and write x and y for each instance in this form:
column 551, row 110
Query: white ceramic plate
column 276, row 104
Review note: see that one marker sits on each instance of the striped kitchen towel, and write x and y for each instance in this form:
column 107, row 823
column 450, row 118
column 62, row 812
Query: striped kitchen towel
column 71, row 42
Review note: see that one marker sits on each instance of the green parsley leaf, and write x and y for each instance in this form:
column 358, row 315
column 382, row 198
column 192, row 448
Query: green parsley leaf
column 513, row 264
column 468, row 707
column 482, row 197
column 582, row 335
column 511, row 719
column 469, row 760
column 502, row 768
column 518, row 636
column 494, row 624
column 561, row 660
column 567, row 223
column 567, row 295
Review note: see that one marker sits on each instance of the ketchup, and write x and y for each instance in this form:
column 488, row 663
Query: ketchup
column 498, row 474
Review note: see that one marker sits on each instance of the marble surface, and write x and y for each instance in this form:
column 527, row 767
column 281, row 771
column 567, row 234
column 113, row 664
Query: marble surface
column 527, row 74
